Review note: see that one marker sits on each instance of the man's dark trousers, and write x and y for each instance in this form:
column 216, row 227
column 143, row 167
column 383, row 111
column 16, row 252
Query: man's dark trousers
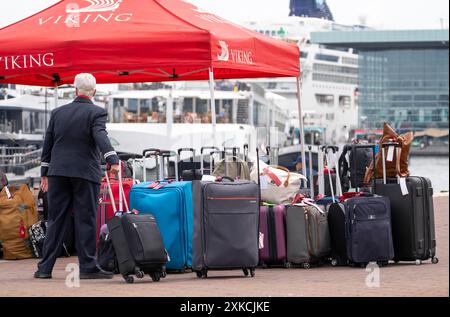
column 64, row 195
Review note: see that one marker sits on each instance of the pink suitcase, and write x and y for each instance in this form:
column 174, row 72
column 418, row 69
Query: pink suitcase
column 272, row 224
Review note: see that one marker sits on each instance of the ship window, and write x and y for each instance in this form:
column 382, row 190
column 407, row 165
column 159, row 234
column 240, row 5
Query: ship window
column 132, row 105
column 303, row 54
column 272, row 85
column 330, row 116
column 327, row 57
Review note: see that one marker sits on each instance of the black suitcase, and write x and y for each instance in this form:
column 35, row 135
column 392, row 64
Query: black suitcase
column 413, row 223
column 226, row 227
column 139, row 246
column 336, row 223
column 137, row 242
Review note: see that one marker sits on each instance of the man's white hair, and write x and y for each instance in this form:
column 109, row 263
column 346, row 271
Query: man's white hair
column 85, row 83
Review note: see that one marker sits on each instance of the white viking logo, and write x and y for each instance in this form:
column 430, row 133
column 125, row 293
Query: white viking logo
column 97, row 6
column 225, row 54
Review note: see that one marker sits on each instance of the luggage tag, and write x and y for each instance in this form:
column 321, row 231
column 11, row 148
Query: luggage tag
column 403, row 186
column 390, row 154
column 261, row 240
column 8, row 193
column 22, row 230
column 208, row 178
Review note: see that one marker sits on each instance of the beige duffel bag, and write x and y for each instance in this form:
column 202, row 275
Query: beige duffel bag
column 278, row 185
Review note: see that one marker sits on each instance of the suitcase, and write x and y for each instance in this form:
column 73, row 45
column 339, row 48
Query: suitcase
column 308, row 237
column 171, row 204
column 413, row 223
column 226, row 226
column 369, row 230
column 337, row 216
column 272, row 226
column 137, row 243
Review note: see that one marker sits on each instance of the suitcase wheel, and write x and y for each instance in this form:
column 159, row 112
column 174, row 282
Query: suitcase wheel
column 248, row 272
column 334, row 262
column 156, row 276
column 418, row 262
column 287, row 265
column 129, row 279
column 306, row 266
column 202, row 274
column 140, row 274
column 435, row 260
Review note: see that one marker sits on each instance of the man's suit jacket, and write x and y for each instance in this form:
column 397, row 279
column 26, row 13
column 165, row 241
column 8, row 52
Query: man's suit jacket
column 75, row 139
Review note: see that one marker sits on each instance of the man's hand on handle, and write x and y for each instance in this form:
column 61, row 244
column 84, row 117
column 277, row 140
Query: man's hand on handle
column 44, row 184
column 115, row 169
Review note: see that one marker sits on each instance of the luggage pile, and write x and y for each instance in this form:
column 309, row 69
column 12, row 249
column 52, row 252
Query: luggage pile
column 183, row 212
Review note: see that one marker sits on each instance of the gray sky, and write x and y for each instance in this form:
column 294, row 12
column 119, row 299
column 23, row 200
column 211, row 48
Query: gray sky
column 386, row 14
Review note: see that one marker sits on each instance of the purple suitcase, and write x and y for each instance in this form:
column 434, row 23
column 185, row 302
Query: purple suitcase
column 272, row 222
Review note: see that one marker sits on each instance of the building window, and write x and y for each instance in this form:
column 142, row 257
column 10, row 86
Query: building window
column 345, row 101
column 327, row 100
column 330, row 116
column 303, row 54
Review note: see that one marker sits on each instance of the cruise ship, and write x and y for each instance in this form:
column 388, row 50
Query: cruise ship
column 329, row 76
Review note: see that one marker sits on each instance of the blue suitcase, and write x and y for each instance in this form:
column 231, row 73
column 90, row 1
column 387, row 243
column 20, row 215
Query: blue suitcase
column 172, row 206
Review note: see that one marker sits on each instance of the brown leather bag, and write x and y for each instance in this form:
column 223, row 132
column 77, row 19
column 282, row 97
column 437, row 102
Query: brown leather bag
column 399, row 166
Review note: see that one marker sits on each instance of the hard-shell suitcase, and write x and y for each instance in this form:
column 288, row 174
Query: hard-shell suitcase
column 413, row 223
column 369, row 230
column 308, row 237
column 138, row 244
column 226, row 226
column 272, row 227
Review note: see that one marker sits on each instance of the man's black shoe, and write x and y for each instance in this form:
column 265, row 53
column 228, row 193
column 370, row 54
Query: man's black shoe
column 96, row 275
column 41, row 275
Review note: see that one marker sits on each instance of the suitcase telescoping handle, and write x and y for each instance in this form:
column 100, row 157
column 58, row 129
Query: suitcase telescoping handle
column 259, row 176
column 191, row 159
column 395, row 146
column 202, row 153
column 167, row 155
column 111, row 195
column 334, row 150
column 148, row 153
column 311, row 174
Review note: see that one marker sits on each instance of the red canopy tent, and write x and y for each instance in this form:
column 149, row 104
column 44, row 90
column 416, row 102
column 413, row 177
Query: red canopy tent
column 124, row 41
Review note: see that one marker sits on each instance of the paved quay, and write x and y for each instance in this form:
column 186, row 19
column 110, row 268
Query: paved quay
column 395, row 280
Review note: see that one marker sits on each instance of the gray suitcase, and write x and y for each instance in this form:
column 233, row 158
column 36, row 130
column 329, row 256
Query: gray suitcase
column 226, row 227
column 308, row 235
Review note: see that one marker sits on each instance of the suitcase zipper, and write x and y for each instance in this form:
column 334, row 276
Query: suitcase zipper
column 232, row 198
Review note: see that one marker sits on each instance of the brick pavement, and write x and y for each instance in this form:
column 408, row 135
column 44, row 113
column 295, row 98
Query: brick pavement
column 396, row 280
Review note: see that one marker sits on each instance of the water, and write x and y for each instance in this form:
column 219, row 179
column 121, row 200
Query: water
column 435, row 168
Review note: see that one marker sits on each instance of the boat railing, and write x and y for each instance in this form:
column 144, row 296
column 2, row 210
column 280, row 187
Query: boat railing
column 18, row 160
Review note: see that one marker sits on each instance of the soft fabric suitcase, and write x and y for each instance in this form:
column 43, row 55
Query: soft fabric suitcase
column 272, row 227
column 226, row 229
column 308, row 237
column 106, row 255
column 413, row 223
column 171, row 204
column 336, row 223
column 369, row 230
column 138, row 246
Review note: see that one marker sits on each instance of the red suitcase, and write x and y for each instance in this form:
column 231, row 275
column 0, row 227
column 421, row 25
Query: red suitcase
column 105, row 210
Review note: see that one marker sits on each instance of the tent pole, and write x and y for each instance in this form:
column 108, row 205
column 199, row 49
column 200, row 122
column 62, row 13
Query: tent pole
column 213, row 105
column 56, row 96
column 302, row 128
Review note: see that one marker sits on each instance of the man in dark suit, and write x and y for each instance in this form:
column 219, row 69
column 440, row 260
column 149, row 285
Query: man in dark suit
column 75, row 139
